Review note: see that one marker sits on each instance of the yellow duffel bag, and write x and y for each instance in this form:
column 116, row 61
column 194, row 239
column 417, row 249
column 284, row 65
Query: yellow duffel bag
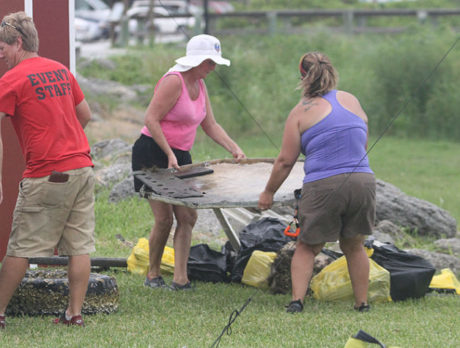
column 258, row 268
column 138, row 261
column 333, row 282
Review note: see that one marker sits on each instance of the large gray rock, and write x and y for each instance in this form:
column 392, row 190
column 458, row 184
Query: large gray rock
column 382, row 237
column 113, row 174
column 124, row 189
column 97, row 87
column 406, row 211
column 450, row 245
column 439, row 260
column 108, row 149
column 387, row 232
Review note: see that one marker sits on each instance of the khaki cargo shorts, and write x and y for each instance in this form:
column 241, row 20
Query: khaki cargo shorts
column 54, row 211
column 341, row 206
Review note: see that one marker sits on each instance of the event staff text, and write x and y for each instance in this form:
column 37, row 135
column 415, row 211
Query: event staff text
column 51, row 84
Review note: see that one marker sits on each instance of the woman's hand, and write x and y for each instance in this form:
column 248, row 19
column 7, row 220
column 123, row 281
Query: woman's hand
column 172, row 161
column 238, row 154
column 265, row 200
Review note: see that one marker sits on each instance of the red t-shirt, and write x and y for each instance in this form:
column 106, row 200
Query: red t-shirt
column 40, row 95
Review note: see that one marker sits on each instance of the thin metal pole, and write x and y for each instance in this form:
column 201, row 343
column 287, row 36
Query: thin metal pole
column 206, row 17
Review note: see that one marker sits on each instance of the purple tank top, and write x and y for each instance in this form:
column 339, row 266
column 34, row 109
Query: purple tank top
column 336, row 144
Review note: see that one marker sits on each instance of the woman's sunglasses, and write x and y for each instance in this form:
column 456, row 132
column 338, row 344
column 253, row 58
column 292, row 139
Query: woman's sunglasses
column 19, row 30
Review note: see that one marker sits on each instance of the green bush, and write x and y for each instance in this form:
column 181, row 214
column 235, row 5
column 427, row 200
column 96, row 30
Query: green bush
column 407, row 77
column 442, row 112
column 390, row 74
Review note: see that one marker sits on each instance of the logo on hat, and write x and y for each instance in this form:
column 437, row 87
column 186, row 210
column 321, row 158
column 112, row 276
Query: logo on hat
column 217, row 47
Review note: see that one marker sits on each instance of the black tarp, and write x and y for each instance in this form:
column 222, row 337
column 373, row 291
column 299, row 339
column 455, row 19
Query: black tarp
column 266, row 234
column 206, row 264
column 410, row 275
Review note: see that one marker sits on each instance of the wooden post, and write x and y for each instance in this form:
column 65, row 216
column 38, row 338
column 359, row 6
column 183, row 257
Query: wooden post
column 272, row 22
column 348, row 17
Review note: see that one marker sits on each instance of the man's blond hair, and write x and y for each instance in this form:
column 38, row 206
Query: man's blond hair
column 16, row 25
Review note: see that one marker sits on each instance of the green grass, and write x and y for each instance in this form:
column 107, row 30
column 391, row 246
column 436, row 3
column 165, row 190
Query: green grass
column 147, row 318
column 424, row 169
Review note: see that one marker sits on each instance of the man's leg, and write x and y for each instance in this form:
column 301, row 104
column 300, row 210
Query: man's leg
column 78, row 270
column 11, row 274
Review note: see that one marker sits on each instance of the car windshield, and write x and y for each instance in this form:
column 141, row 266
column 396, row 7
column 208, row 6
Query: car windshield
column 90, row 5
column 172, row 7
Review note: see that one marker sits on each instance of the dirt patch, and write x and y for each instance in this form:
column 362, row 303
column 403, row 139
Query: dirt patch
column 125, row 123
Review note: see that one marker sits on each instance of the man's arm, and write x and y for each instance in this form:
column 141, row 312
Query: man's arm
column 83, row 113
column 2, row 115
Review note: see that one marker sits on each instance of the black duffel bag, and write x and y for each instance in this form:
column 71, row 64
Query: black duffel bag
column 206, row 264
column 410, row 275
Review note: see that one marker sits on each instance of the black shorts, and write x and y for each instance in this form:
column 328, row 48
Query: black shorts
column 147, row 154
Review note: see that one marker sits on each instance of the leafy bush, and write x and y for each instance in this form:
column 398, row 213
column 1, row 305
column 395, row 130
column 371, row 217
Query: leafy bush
column 389, row 74
column 408, row 77
column 442, row 111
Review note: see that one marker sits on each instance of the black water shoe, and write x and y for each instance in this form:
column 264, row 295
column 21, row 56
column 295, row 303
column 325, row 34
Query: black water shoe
column 156, row 282
column 294, row 307
column 364, row 307
column 177, row 287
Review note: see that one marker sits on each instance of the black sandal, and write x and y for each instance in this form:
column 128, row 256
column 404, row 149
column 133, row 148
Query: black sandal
column 177, row 287
column 294, row 307
column 364, row 307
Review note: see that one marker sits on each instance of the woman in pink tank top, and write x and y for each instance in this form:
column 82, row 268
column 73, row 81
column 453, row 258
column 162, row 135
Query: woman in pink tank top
column 180, row 104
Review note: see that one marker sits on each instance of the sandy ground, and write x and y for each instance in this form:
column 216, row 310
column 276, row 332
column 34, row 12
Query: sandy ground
column 125, row 124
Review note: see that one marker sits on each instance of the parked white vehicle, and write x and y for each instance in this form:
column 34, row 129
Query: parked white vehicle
column 162, row 24
column 92, row 9
column 87, row 30
column 91, row 20
column 172, row 6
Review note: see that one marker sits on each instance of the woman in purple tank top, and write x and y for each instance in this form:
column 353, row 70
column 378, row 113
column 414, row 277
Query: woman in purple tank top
column 338, row 195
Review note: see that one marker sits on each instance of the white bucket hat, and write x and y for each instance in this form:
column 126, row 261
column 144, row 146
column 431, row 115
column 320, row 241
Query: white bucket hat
column 199, row 48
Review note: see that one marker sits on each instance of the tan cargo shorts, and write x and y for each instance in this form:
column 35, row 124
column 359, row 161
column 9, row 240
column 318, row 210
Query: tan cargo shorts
column 341, row 206
column 55, row 211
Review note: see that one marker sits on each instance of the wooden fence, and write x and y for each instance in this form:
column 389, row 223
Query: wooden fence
column 350, row 21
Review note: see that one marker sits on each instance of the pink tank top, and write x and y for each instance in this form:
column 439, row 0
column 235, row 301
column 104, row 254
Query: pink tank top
column 181, row 122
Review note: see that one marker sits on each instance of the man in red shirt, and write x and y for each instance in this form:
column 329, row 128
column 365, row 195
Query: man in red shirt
column 55, row 205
